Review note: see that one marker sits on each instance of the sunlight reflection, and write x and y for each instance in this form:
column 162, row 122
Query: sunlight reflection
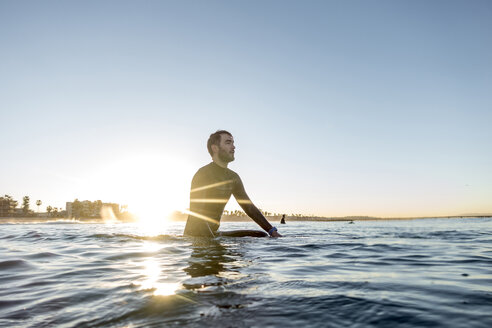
column 152, row 272
column 166, row 288
column 151, row 246
column 200, row 216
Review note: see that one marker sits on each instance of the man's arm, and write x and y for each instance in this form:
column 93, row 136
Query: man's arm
column 251, row 210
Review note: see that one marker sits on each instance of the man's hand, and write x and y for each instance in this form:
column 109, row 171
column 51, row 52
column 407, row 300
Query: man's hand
column 276, row 234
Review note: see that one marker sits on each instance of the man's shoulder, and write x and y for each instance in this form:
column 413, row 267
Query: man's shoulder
column 205, row 168
column 201, row 172
column 232, row 173
column 212, row 168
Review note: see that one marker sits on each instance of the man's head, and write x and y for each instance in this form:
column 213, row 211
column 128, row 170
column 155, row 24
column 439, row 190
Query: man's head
column 220, row 145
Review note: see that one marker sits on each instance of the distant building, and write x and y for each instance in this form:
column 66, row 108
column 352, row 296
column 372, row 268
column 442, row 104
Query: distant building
column 7, row 207
column 88, row 209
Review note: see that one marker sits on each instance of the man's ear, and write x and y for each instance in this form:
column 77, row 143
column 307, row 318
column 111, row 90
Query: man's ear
column 215, row 149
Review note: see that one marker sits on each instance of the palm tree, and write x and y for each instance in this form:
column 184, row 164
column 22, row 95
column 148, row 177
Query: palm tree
column 25, row 205
column 38, row 203
column 49, row 209
column 12, row 204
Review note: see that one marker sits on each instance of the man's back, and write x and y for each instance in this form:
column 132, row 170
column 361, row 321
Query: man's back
column 211, row 188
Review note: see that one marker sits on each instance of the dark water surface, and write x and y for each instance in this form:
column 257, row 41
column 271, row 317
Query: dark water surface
column 416, row 273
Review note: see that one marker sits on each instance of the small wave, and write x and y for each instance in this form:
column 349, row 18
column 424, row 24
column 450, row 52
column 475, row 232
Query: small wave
column 452, row 235
column 130, row 255
column 405, row 235
column 17, row 221
column 137, row 237
column 9, row 303
column 336, row 255
column 380, row 248
column 314, row 246
column 474, row 259
column 284, row 249
column 404, row 260
column 11, row 264
column 32, row 234
column 8, row 237
column 42, row 255
column 39, row 283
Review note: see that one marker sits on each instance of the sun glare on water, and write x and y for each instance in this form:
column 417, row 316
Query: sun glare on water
column 152, row 280
column 151, row 184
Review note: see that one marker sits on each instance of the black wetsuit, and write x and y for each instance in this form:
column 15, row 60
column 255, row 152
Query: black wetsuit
column 211, row 188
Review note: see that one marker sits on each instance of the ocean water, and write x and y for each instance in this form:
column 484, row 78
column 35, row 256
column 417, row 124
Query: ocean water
column 415, row 273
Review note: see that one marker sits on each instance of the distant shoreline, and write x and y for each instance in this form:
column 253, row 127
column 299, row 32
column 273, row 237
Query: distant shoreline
column 354, row 218
column 229, row 218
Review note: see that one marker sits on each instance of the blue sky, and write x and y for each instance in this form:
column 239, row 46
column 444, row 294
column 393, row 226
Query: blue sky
column 337, row 107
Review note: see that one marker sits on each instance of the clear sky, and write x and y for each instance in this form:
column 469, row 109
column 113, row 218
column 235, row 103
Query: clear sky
column 338, row 108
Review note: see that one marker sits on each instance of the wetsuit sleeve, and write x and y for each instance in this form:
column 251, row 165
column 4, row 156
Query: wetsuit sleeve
column 247, row 205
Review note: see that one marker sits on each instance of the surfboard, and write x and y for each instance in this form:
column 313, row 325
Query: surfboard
column 243, row 233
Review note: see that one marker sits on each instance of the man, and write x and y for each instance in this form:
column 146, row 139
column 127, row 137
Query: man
column 211, row 189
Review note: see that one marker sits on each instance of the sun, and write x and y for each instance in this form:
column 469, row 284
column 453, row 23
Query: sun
column 152, row 184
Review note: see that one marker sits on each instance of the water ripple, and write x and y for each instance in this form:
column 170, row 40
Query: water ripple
column 428, row 273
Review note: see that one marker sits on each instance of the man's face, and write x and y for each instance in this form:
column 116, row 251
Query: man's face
column 226, row 148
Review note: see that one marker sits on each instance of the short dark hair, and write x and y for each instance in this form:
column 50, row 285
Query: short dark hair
column 214, row 139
